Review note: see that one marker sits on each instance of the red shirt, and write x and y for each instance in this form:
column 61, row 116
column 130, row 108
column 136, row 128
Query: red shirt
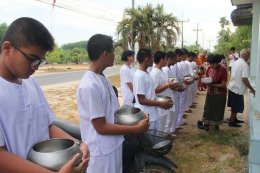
column 218, row 75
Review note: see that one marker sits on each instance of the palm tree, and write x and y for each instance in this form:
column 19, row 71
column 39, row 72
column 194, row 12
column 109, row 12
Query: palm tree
column 165, row 30
column 148, row 27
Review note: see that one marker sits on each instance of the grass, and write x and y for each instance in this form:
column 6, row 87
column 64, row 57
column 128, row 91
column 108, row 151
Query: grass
column 229, row 137
column 219, row 152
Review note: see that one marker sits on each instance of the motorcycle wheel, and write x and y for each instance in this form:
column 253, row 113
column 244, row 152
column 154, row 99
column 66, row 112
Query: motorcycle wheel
column 153, row 168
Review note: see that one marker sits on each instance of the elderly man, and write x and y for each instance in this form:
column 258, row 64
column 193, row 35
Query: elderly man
column 238, row 85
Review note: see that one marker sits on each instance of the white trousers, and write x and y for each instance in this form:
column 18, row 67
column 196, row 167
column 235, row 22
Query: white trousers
column 172, row 120
column 110, row 163
column 177, row 97
column 161, row 122
column 182, row 107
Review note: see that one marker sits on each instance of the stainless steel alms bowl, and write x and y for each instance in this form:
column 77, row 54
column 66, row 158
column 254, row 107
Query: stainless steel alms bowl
column 128, row 116
column 54, row 153
column 162, row 98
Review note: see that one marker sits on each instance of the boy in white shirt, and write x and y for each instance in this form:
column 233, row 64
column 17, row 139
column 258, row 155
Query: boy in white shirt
column 144, row 90
column 162, row 87
column 97, row 103
column 126, row 77
column 25, row 116
column 172, row 118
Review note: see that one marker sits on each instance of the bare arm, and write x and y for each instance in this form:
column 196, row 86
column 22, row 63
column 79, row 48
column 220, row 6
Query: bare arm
column 105, row 128
column 164, row 104
column 130, row 85
column 13, row 163
column 161, row 88
column 248, row 85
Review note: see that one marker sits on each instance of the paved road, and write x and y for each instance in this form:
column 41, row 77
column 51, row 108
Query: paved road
column 56, row 78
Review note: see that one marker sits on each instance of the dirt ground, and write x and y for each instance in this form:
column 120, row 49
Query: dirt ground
column 194, row 150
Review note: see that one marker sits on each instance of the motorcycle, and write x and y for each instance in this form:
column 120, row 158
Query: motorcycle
column 142, row 153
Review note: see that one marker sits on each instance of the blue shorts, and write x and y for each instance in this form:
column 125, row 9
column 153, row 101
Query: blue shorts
column 236, row 102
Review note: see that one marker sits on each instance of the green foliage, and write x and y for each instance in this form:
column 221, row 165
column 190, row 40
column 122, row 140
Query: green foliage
column 71, row 46
column 118, row 54
column 78, row 55
column 3, row 28
column 149, row 27
column 74, row 53
column 240, row 39
column 54, row 56
column 193, row 47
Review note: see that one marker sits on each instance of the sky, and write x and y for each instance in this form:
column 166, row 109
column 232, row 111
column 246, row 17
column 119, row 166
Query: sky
column 77, row 20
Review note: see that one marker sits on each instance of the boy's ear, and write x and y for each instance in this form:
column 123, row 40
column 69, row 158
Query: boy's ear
column 5, row 47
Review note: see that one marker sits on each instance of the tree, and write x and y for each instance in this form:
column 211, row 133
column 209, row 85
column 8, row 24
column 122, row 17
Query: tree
column 3, row 28
column 71, row 46
column 149, row 27
column 240, row 39
column 54, row 56
column 78, row 55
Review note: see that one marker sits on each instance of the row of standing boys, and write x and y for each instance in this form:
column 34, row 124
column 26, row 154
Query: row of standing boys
column 163, row 74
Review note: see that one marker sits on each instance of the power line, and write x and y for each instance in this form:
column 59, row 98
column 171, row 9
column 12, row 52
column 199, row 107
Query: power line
column 77, row 10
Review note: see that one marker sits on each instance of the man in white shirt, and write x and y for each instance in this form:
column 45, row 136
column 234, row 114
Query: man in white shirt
column 126, row 77
column 172, row 118
column 162, row 87
column 97, row 103
column 25, row 116
column 238, row 85
column 144, row 89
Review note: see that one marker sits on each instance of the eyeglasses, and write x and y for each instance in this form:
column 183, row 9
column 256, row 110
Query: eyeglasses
column 35, row 60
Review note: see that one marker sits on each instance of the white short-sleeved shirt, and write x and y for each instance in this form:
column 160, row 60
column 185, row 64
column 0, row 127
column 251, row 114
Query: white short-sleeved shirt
column 126, row 76
column 189, row 68
column 168, row 73
column 232, row 58
column 143, row 85
column 194, row 65
column 25, row 116
column 239, row 70
column 159, row 79
column 96, row 98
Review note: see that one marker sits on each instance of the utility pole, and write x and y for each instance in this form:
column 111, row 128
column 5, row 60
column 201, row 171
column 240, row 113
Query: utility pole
column 209, row 44
column 133, row 4
column 197, row 31
column 182, row 30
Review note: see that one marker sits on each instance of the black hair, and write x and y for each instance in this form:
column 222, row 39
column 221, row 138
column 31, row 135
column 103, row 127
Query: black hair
column 158, row 56
column 98, row 44
column 179, row 52
column 171, row 55
column 214, row 58
column 142, row 54
column 25, row 31
column 233, row 48
column 126, row 54
column 185, row 51
column 222, row 56
column 192, row 54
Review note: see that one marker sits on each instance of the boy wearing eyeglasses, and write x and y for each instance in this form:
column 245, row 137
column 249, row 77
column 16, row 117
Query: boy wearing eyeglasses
column 25, row 116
